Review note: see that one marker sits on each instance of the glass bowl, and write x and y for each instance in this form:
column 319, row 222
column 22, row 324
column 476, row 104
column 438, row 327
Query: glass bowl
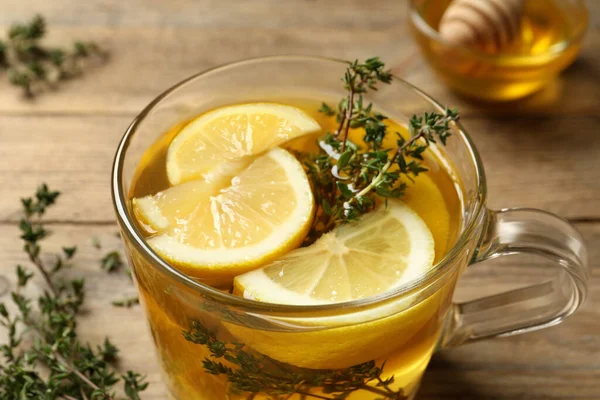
column 551, row 39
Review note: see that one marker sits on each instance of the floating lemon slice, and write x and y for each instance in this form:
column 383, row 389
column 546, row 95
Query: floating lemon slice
column 232, row 133
column 385, row 249
column 263, row 213
column 169, row 210
column 171, row 207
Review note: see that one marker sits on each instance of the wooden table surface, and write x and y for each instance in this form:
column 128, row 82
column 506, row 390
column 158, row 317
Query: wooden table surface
column 543, row 152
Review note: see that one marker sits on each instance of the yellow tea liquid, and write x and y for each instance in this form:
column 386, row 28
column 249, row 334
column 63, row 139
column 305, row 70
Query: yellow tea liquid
column 404, row 341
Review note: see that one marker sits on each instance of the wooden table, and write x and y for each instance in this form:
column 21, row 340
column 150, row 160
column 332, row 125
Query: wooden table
column 543, row 152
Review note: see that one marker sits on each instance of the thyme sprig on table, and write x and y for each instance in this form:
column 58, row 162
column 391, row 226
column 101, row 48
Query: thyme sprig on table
column 250, row 373
column 112, row 262
column 43, row 355
column 347, row 177
column 32, row 66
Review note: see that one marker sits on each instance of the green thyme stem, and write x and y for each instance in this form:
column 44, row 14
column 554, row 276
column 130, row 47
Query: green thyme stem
column 347, row 119
column 43, row 334
column 40, row 266
column 62, row 361
column 81, row 376
column 348, row 114
column 341, row 125
column 390, row 162
column 383, row 384
column 32, row 65
column 374, row 182
column 384, row 393
column 254, row 373
column 126, row 302
column 347, row 177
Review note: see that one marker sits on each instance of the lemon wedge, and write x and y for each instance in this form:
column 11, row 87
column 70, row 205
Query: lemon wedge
column 171, row 207
column 232, row 133
column 264, row 212
column 169, row 210
column 386, row 248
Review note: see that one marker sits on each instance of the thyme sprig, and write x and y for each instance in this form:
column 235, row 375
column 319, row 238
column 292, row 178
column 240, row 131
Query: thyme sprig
column 126, row 302
column 113, row 262
column 44, row 357
column 348, row 178
column 249, row 373
column 32, row 66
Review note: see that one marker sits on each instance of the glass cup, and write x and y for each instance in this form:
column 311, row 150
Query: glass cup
column 213, row 345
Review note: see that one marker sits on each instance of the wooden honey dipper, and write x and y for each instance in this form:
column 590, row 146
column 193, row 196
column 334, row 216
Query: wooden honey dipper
column 487, row 23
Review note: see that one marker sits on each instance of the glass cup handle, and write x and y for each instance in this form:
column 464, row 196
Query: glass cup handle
column 523, row 231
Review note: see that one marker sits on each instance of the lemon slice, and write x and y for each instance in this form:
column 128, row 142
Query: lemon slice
column 231, row 133
column 170, row 209
column 263, row 213
column 385, row 249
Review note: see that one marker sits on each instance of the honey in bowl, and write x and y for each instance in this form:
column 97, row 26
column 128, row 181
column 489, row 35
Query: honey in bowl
column 548, row 40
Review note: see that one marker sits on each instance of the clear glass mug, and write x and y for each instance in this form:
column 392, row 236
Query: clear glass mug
column 213, row 345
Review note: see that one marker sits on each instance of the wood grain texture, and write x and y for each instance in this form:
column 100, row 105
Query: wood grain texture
column 542, row 152
column 155, row 44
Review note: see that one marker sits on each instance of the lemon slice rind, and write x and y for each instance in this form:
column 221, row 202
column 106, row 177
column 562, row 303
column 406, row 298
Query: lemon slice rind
column 286, row 235
column 148, row 210
column 259, row 286
column 352, row 336
column 292, row 115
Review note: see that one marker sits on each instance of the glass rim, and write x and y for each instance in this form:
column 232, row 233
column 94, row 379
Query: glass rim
column 424, row 27
column 126, row 221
